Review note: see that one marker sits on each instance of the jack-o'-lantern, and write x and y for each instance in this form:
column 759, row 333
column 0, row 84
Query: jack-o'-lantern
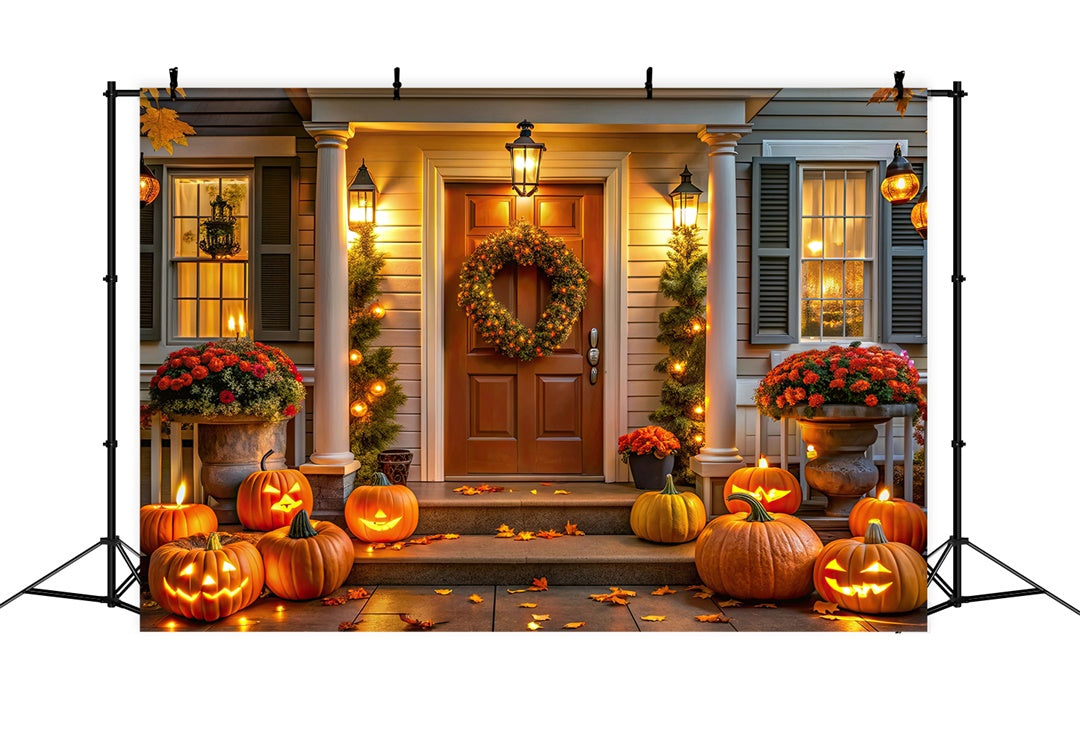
column 268, row 499
column 757, row 555
column 667, row 516
column 382, row 512
column 901, row 521
column 306, row 560
column 871, row 575
column 206, row 577
column 775, row 488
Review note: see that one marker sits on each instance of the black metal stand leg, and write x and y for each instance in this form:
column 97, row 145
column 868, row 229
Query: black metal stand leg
column 112, row 598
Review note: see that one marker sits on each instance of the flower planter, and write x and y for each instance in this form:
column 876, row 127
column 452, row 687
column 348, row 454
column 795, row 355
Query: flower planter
column 649, row 472
column 394, row 463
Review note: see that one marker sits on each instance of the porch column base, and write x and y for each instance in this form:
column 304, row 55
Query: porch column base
column 331, row 486
column 711, row 477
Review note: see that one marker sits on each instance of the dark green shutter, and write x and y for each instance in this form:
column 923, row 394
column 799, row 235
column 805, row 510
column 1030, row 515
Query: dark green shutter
column 904, row 275
column 275, row 263
column 150, row 256
column 774, row 266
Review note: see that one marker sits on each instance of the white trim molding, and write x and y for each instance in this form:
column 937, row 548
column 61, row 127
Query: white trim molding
column 864, row 150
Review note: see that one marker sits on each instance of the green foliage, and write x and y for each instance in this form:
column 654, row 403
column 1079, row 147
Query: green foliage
column 375, row 430
column 683, row 281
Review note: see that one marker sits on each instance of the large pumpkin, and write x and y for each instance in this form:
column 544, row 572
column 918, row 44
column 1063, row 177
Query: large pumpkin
column 206, row 577
column 757, row 555
column 268, row 499
column 667, row 516
column 307, row 559
column 382, row 512
column 901, row 521
column 775, row 488
column 871, row 575
column 163, row 523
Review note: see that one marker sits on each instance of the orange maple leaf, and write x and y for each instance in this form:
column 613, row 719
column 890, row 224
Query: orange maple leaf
column 524, row 535
column 902, row 95
column 621, row 592
column 424, row 624
column 451, row 536
column 419, row 541
column 504, row 531
column 665, row 589
column 825, row 607
column 610, row 598
column 397, row 546
column 488, row 488
column 712, row 618
column 360, row 593
column 534, row 626
column 476, row 599
column 348, row 626
column 539, row 584
column 571, row 529
column 573, row 625
column 548, row 534
column 765, row 605
column 333, row 601
column 545, row 483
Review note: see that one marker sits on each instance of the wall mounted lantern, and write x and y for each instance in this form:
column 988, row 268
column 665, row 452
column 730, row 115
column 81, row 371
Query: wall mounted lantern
column 900, row 184
column 362, row 196
column 149, row 186
column 525, row 154
column 918, row 214
column 684, row 201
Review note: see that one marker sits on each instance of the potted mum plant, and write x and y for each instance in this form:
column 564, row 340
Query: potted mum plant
column 650, row 452
column 241, row 394
column 839, row 396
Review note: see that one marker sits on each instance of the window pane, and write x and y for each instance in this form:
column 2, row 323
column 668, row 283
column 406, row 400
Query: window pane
column 210, row 280
column 834, row 192
column 185, row 318
column 235, row 310
column 811, row 279
column 187, row 284
column 210, row 323
column 185, row 238
column 855, row 311
column 233, row 281
column 811, row 320
column 857, row 184
column 855, row 278
column 834, row 238
column 856, row 237
column 812, row 192
column 833, row 279
column 811, row 238
column 832, row 319
column 234, row 190
column 241, row 234
column 186, row 200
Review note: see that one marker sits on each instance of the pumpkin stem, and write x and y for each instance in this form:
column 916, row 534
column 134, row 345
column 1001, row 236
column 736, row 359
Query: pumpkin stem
column 669, row 487
column 874, row 534
column 262, row 462
column 758, row 513
column 213, row 542
column 381, row 480
column 301, row 526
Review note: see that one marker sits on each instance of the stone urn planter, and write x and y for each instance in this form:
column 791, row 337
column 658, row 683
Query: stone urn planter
column 841, row 435
column 649, row 472
column 230, row 449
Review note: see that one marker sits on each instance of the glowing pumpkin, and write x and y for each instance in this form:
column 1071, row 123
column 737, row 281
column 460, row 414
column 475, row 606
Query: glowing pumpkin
column 775, row 488
column 901, row 521
column 382, row 512
column 206, row 577
column 163, row 523
column 268, row 499
column 667, row 516
column 871, row 575
column 757, row 555
column 307, row 559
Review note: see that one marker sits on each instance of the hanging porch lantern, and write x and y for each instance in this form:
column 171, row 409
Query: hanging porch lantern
column 918, row 215
column 149, row 186
column 684, row 201
column 219, row 230
column 900, row 184
column 525, row 154
column 362, row 196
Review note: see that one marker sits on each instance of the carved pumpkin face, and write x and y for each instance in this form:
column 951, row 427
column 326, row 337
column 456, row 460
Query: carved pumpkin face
column 901, row 521
column 871, row 575
column 267, row 500
column 382, row 512
column 206, row 577
column 775, row 488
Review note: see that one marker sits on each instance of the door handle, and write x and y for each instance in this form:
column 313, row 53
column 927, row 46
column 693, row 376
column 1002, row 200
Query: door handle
column 593, row 355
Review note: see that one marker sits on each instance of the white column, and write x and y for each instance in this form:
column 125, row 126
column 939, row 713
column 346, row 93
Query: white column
column 719, row 457
column 331, row 421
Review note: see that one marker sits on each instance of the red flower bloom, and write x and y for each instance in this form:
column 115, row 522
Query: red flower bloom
column 216, row 365
column 245, row 366
column 836, row 384
column 810, row 377
column 861, row 385
column 231, row 359
column 871, row 400
column 190, row 361
column 258, row 371
column 176, row 362
column 164, row 382
column 290, row 411
column 876, row 374
column 226, row 397
column 200, row 372
column 816, row 400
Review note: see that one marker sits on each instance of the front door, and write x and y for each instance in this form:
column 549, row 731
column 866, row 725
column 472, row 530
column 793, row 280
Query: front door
column 506, row 417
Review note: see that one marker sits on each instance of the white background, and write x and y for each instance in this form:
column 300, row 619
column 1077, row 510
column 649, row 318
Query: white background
column 994, row 668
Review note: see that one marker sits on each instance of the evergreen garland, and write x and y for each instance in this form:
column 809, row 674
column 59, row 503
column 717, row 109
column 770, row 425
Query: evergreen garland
column 375, row 429
column 682, row 329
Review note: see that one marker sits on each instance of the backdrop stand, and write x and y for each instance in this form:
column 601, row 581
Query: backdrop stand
column 111, row 542
column 957, row 542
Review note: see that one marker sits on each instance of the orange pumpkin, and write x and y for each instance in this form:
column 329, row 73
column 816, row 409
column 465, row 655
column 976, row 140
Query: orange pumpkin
column 307, row 559
column 268, row 499
column 163, row 523
column 382, row 512
column 757, row 555
column 871, row 575
column 206, row 577
column 775, row 488
column 901, row 521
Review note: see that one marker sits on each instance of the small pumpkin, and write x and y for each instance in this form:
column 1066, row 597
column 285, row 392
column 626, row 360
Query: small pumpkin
column 382, row 512
column 775, row 488
column 268, row 499
column 757, row 555
column 871, row 575
column 901, row 521
column 667, row 516
column 206, row 577
column 163, row 523
column 306, row 560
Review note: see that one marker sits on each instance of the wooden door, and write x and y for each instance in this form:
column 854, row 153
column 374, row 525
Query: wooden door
column 506, row 417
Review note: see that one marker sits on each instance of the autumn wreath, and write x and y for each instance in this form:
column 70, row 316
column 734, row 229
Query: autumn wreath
column 524, row 245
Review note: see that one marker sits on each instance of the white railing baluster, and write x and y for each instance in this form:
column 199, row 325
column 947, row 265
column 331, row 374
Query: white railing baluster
column 889, row 471
column 176, row 460
column 155, row 458
column 196, row 466
column 909, row 459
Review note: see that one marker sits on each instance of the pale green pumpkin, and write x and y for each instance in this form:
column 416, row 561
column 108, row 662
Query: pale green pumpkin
column 667, row 516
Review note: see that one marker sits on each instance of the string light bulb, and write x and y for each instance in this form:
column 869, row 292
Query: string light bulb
column 358, row 409
column 378, row 311
column 355, row 357
column 699, row 409
column 678, row 367
column 377, row 388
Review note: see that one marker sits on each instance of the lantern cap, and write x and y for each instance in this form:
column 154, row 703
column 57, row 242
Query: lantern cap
column 899, row 165
column 685, row 186
column 362, row 181
column 525, row 139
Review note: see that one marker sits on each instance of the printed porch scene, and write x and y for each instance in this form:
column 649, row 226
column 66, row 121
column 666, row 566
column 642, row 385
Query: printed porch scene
column 508, row 360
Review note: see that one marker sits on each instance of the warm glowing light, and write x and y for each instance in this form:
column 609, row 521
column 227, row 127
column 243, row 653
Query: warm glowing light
column 378, row 311
column 699, row 439
column 833, row 565
column 900, row 184
column 695, row 326
column 232, row 324
column 208, row 581
column 377, row 388
column 281, row 608
column 371, row 548
column 287, row 503
column 244, row 621
column 171, row 624
column 811, row 452
column 381, row 523
column 699, row 410
column 189, row 570
column 875, row 567
column 884, row 496
column 860, row 590
column 227, row 566
column 355, row 357
column 359, row 409
column 180, row 492
column 763, row 462
column 678, row 367
column 242, row 331
column 761, row 495
column 815, row 247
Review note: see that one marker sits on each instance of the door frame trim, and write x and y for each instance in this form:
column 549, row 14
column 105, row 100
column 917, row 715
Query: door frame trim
column 612, row 168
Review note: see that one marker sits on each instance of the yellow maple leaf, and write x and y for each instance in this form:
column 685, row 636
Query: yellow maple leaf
column 535, row 626
column 548, row 534
column 561, row 491
column 573, row 625
column 504, row 531
column 476, row 599
column 665, row 589
column 609, row 598
column 451, row 536
column 443, row 592
column 524, row 535
column 712, row 618
column 621, row 592
column 527, row 604
column 163, row 128
column 541, row 617
column 729, row 603
column 654, row 617
column 825, row 607
column 532, row 491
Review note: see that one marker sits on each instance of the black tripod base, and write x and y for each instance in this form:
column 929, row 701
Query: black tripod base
column 112, row 598
column 956, row 545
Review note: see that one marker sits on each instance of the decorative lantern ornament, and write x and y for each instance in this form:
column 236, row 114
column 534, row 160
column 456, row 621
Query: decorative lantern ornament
column 219, row 240
column 307, row 559
column 382, row 512
column 918, row 215
column 268, row 499
column 901, row 521
column 757, row 555
column 362, row 196
column 525, row 155
column 206, row 577
column 684, row 201
column 163, row 523
column 871, row 575
column 900, row 184
column 775, row 488
column 667, row 516
column 149, row 186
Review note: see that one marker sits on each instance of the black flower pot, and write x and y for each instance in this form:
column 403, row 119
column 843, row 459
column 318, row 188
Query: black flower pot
column 650, row 472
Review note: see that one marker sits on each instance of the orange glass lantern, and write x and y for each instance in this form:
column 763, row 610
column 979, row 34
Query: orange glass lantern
column 918, row 215
column 149, row 186
column 900, row 184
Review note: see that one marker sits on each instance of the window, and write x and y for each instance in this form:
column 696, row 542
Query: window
column 208, row 291
column 837, row 244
